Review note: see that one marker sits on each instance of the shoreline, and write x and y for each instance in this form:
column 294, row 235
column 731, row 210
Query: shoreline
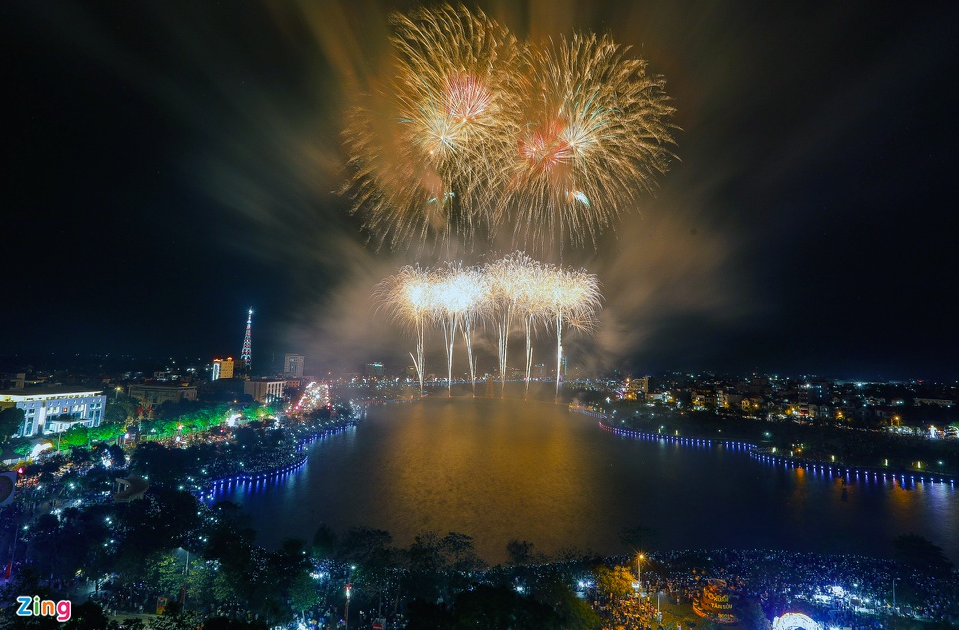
column 765, row 455
column 213, row 485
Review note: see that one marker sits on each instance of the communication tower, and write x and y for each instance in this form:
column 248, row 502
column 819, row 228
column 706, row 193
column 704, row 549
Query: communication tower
column 246, row 355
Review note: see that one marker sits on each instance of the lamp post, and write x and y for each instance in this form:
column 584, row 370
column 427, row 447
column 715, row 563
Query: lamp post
column 894, row 594
column 349, row 588
column 639, row 572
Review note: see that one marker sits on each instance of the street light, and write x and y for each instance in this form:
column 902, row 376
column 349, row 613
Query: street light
column 349, row 588
column 894, row 594
column 639, row 572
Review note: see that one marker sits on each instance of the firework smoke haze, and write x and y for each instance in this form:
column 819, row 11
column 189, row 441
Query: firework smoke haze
column 271, row 159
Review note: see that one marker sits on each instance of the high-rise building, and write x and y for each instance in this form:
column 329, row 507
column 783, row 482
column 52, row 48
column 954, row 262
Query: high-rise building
column 293, row 365
column 246, row 355
column 374, row 370
column 222, row 368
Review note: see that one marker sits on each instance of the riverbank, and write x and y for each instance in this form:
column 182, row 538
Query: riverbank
column 769, row 455
column 274, row 470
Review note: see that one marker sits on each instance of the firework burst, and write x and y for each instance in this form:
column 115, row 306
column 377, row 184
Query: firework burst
column 425, row 164
column 455, row 298
column 594, row 131
column 409, row 297
column 570, row 298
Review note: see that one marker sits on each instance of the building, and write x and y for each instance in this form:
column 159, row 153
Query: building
column 636, row 388
column 16, row 380
column 55, row 409
column 151, row 394
column 293, row 365
column 374, row 370
column 266, row 391
column 222, row 368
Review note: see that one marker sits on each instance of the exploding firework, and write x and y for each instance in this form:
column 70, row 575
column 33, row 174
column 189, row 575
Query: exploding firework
column 512, row 280
column 594, row 132
column 409, row 295
column 570, row 298
column 455, row 298
column 459, row 296
column 425, row 163
column 550, row 142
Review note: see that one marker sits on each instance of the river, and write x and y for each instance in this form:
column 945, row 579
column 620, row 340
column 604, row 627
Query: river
column 534, row 471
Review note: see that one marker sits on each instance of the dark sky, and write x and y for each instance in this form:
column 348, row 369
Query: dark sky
column 167, row 165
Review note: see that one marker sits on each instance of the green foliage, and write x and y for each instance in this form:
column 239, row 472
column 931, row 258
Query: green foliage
column 106, row 432
column 324, row 542
column 615, row 583
column 11, row 419
column 304, row 593
column 77, row 435
column 120, row 410
column 23, row 448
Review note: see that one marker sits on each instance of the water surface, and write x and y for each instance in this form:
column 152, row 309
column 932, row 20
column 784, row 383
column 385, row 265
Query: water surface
column 534, row 471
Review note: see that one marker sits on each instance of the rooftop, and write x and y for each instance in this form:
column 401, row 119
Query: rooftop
column 53, row 390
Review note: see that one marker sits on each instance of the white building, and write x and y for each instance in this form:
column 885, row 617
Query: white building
column 266, row 391
column 55, row 409
column 293, row 365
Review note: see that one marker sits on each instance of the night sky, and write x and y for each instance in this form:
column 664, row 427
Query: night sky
column 167, row 165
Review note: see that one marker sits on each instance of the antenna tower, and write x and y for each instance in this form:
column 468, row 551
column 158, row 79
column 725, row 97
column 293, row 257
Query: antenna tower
column 246, row 355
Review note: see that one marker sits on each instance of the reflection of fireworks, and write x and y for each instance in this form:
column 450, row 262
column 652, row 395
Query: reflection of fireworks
column 455, row 297
column 422, row 165
column 594, row 132
column 557, row 139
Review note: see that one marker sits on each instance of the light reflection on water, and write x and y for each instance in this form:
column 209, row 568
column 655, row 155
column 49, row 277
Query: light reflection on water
column 504, row 470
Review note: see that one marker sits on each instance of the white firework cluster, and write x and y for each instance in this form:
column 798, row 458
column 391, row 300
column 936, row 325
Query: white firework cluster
column 498, row 296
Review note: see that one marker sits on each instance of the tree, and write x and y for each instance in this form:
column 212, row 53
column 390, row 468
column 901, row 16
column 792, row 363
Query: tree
column 324, row 542
column 494, row 607
column 519, row 551
column 77, row 435
column 86, row 616
column 751, row 615
column 615, row 583
column 920, row 553
column 11, row 420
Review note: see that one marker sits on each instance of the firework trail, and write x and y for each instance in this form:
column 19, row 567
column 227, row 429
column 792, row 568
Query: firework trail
column 455, row 298
column 594, row 132
column 409, row 296
column 459, row 294
column 571, row 297
column 510, row 279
